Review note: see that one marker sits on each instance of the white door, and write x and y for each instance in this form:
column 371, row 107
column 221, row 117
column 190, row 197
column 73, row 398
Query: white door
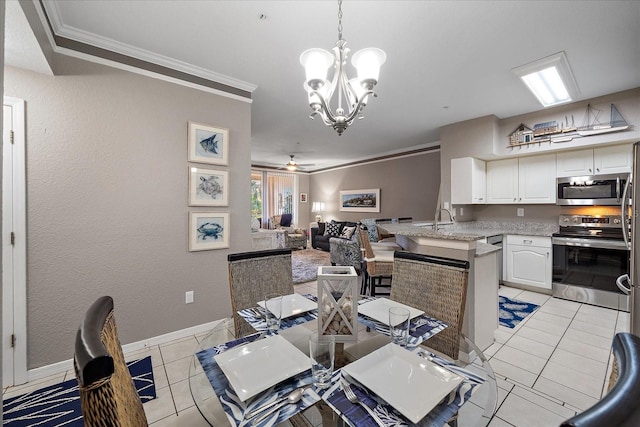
column 14, row 268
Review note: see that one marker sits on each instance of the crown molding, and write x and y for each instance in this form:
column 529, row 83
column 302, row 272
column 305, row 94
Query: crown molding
column 62, row 31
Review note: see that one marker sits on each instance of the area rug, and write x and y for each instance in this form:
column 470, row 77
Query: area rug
column 306, row 262
column 512, row 312
column 59, row 404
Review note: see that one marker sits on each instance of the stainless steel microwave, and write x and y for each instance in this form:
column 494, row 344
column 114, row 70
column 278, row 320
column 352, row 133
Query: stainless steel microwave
column 591, row 190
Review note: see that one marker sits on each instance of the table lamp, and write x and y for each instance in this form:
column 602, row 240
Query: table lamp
column 318, row 207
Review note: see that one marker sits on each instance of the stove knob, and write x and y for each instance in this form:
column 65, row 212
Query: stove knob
column 616, row 221
column 565, row 219
column 576, row 220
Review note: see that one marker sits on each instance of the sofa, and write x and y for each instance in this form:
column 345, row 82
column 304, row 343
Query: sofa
column 321, row 235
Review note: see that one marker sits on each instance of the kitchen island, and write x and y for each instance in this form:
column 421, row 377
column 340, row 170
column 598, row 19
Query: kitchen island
column 481, row 310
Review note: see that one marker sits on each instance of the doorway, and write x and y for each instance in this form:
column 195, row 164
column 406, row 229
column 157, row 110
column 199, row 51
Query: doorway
column 14, row 242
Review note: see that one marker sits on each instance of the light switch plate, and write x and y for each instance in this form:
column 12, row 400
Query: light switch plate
column 446, row 205
column 520, row 212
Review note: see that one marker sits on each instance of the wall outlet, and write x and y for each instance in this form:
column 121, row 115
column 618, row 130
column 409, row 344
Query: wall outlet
column 461, row 211
column 188, row 297
column 446, row 205
column 453, row 211
column 520, row 212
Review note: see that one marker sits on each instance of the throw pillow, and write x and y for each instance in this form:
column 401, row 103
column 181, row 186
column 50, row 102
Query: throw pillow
column 332, row 229
column 320, row 229
column 347, row 232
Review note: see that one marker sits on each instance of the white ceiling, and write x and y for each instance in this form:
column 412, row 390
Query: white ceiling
column 447, row 61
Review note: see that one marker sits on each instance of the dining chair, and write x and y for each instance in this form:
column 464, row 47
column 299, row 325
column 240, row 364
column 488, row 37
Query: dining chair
column 619, row 407
column 108, row 396
column 254, row 274
column 438, row 286
column 378, row 265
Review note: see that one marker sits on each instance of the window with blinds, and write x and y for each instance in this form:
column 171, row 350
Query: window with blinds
column 272, row 193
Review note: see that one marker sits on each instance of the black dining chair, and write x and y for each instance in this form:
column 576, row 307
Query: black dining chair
column 620, row 407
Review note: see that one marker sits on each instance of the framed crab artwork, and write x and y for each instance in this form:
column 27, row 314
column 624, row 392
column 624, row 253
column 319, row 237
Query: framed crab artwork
column 208, row 230
column 208, row 144
column 208, row 187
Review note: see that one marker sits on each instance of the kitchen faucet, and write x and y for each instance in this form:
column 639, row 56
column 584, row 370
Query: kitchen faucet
column 439, row 212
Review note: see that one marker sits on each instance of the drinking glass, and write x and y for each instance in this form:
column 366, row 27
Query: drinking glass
column 322, row 350
column 273, row 308
column 399, row 325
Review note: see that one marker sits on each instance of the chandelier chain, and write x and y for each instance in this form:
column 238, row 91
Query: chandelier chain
column 339, row 19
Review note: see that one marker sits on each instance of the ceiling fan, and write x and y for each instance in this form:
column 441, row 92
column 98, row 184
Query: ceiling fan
column 293, row 166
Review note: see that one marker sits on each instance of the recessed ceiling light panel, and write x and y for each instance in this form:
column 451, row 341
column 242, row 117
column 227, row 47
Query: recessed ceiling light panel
column 550, row 79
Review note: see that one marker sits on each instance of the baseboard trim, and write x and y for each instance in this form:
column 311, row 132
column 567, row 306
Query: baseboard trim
column 67, row 365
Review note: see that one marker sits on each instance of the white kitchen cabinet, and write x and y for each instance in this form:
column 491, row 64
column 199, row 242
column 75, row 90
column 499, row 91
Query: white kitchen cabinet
column 536, row 179
column 468, row 181
column 529, row 260
column 597, row 161
column 502, row 181
column 525, row 180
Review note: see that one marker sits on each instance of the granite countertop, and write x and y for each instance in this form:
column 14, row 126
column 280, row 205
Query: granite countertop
column 468, row 231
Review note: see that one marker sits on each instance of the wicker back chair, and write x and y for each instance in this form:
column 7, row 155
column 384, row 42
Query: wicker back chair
column 108, row 396
column 254, row 274
column 619, row 407
column 438, row 286
column 379, row 264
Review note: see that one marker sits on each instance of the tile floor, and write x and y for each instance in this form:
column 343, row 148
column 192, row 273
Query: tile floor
column 553, row 364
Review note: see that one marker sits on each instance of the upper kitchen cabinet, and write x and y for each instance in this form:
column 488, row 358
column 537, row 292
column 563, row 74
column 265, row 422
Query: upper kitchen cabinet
column 536, row 179
column 468, row 181
column 597, row 161
column 502, row 181
column 525, row 180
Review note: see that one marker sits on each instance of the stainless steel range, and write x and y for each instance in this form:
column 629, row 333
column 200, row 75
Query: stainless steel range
column 589, row 254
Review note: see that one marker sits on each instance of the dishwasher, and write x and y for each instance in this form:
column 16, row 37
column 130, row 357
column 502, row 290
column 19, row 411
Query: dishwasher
column 497, row 241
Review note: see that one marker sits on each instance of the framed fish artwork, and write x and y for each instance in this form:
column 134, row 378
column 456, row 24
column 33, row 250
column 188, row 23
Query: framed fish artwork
column 208, row 230
column 208, row 144
column 208, row 187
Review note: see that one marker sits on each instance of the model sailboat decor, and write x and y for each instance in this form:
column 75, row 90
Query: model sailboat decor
column 564, row 132
column 593, row 127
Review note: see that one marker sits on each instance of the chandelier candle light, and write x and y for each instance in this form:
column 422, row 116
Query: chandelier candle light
column 354, row 92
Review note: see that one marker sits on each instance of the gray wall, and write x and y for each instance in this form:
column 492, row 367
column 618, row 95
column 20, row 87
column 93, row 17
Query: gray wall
column 107, row 202
column 408, row 187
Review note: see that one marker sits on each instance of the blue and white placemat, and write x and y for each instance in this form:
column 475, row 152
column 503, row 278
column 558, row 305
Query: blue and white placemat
column 354, row 415
column 236, row 408
column 420, row 329
column 255, row 317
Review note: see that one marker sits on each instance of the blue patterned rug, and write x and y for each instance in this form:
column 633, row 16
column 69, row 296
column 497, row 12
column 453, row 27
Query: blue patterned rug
column 512, row 312
column 59, row 404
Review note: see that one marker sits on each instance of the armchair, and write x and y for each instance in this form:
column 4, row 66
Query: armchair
column 287, row 235
column 346, row 251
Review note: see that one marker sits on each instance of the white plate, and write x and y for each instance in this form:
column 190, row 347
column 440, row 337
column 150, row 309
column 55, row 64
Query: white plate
column 378, row 309
column 409, row 383
column 254, row 367
column 294, row 304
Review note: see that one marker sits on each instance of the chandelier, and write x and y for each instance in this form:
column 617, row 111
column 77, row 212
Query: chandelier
column 352, row 93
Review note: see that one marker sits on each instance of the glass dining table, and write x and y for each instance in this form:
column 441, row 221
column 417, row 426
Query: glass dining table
column 476, row 411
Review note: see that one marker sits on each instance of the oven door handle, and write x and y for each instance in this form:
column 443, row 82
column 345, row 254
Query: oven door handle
column 625, row 213
column 623, row 288
column 589, row 243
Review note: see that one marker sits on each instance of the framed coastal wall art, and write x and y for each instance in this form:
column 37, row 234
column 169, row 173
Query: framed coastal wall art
column 208, row 230
column 360, row 200
column 208, row 187
column 208, row 144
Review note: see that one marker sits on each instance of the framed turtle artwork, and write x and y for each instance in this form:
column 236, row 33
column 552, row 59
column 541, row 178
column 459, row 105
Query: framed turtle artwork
column 208, row 230
column 208, row 187
column 208, row 144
